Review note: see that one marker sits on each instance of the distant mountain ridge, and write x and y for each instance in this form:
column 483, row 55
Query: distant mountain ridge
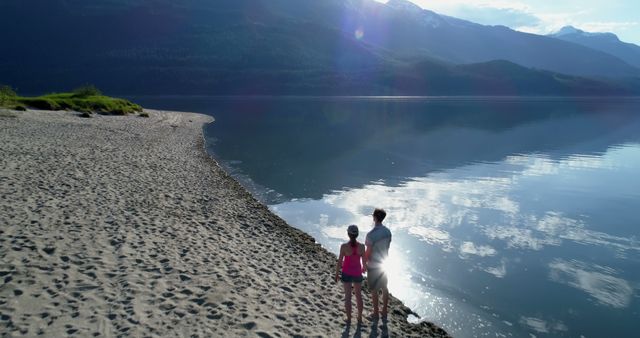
column 293, row 47
column 409, row 30
column 606, row 42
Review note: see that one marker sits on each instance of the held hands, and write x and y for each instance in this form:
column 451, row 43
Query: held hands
column 337, row 276
column 364, row 268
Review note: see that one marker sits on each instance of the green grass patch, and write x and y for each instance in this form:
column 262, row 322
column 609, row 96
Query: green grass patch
column 7, row 97
column 87, row 99
column 86, row 104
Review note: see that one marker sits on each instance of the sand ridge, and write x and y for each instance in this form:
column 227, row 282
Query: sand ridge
column 123, row 226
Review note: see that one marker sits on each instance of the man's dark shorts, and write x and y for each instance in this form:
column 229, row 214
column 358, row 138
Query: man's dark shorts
column 377, row 279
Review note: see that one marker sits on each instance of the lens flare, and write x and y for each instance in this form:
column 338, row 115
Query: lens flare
column 393, row 267
column 359, row 33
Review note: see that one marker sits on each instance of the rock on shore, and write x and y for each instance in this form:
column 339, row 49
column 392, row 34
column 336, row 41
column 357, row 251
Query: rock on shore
column 124, row 226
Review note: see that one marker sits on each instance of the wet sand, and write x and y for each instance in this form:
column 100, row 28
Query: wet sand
column 124, row 226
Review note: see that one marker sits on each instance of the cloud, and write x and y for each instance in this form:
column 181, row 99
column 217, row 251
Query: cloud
column 553, row 22
column 608, row 26
column 521, row 16
column 486, row 12
column 486, row 15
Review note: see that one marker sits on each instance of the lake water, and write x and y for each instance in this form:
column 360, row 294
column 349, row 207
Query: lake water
column 510, row 217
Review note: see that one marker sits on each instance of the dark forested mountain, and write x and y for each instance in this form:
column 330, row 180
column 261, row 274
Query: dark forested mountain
column 358, row 47
column 606, row 42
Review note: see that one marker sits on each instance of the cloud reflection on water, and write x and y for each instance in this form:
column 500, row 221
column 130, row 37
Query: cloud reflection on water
column 498, row 271
column 598, row 281
column 542, row 326
column 529, row 232
column 468, row 248
column 433, row 236
column 430, row 207
column 541, row 164
column 487, row 214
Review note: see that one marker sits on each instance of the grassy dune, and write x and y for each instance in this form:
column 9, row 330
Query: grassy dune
column 87, row 100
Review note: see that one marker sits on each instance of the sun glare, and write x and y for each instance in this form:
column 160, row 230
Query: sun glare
column 393, row 267
column 399, row 275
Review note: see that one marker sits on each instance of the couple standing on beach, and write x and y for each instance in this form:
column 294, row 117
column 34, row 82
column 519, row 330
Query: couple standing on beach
column 372, row 253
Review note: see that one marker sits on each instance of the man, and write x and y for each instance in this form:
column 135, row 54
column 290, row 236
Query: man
column 377, row 244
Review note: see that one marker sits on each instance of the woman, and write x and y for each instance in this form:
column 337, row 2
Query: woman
column 350, row 263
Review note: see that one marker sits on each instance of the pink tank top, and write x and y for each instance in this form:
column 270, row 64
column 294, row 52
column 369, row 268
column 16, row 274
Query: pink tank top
column 351, row 264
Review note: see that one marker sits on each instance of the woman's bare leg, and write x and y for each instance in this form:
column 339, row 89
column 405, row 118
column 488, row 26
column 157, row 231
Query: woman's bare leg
column 358, row 291
column 347, row 300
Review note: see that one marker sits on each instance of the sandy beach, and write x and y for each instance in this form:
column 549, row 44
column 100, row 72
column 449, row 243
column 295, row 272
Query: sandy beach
column 118, row 226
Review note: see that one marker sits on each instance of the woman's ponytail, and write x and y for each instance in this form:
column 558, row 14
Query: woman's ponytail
column 352, row 241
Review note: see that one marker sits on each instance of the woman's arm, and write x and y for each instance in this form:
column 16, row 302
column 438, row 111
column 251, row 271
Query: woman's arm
column 339, row 265
column 365, row 257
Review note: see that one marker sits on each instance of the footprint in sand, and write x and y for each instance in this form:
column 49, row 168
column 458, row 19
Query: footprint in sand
column 249, row 325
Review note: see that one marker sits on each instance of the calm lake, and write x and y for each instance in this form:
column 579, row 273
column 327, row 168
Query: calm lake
column 510, row 217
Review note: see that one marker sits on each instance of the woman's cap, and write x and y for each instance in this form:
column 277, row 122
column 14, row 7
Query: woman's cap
column 352, row 230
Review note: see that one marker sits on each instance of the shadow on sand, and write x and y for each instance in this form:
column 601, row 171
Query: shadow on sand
column 383, row 332
column 347, row 332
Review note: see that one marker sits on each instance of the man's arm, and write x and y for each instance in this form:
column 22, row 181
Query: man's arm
column 366, row 256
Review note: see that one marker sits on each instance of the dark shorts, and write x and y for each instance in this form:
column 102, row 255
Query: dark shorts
column 376, row 279
column 351, row 279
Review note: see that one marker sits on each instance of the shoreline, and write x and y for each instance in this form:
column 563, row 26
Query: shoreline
column 393, row 97
column 127, row 226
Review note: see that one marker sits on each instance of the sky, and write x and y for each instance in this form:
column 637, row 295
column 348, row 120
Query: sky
column 621, row 17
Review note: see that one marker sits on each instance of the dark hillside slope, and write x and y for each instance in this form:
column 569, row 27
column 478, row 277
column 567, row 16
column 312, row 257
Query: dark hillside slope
column 236, row 47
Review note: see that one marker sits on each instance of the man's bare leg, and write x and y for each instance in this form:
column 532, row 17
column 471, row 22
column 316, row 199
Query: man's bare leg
column 385, row 301
column 374, row 300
